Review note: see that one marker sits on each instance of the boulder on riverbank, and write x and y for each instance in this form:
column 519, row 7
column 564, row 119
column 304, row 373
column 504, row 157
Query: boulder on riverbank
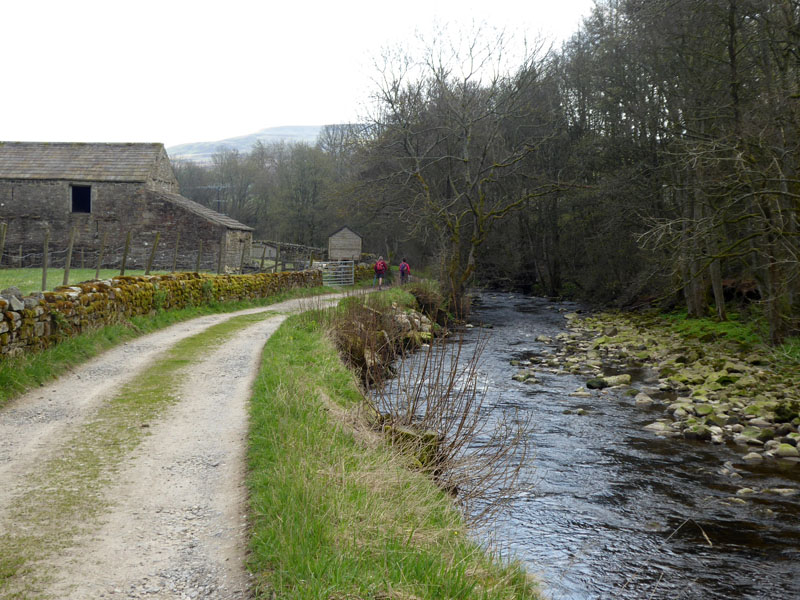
column 714, row 390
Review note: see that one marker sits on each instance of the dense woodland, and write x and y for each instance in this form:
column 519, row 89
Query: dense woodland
column 652, row 158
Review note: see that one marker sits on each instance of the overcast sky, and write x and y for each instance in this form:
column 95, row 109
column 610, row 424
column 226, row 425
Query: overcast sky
column 176, row 71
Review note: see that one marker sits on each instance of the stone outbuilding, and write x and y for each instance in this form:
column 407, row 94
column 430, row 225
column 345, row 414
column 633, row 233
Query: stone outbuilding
column 344, row 244
column 109, row 190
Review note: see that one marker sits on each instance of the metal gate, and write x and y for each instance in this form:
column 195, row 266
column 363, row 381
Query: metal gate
column 336, row 272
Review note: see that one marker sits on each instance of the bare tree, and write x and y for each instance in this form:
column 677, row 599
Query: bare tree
column 443, row 138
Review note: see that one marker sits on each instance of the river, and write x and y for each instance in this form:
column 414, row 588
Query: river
column 618, row 512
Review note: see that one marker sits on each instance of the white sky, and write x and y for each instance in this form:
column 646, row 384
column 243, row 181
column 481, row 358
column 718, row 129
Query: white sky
column 177, row 71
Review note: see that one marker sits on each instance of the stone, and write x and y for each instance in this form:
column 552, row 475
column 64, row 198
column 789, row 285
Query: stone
column 596, row 383
column 787, row 451
column 783, row 491
column 643, row 399
column 766, row 434
column 702, row 410
column 614, row 380
column 697, row 432
column 753, row 457
column 659, row 427
column 15, row 304
column 31, row 302
column 746, row 491
column 744, row 440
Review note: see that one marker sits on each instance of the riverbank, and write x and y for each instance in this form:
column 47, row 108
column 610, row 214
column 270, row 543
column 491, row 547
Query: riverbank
column 335, row 513
column 715, row 383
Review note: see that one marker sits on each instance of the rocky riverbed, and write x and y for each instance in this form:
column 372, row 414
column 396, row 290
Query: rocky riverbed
column 711, row 389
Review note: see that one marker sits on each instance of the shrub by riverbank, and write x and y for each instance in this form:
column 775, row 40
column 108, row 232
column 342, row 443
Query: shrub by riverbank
column 335, row 513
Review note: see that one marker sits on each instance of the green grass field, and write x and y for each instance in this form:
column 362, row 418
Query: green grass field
column 30, row 280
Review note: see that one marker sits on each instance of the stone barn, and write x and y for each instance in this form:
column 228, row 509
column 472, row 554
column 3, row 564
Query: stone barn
column 110, row 189
column 344, row 244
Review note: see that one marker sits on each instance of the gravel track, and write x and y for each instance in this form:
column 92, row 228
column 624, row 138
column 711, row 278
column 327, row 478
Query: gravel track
column 176, row 527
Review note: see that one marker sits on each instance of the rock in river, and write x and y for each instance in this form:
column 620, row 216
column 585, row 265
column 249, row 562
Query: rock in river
column 753, row 457
column 787, row 451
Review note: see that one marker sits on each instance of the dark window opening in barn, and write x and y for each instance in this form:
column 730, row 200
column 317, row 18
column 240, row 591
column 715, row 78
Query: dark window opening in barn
column 81, row 198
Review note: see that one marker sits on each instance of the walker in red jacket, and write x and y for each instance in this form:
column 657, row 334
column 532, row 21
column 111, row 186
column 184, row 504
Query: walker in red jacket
column 405, row 271
column 380, row 270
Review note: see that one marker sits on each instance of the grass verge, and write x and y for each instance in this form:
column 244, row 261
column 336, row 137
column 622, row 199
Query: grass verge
column 63, row 494
column 21, row 373
column 336, row 515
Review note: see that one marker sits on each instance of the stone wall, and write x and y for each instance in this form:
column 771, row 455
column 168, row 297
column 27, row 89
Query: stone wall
column 31, row 323
column 163, row 177
column 236, row 241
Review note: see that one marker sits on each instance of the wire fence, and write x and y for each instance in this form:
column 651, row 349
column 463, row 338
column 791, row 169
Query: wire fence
column 146, row 252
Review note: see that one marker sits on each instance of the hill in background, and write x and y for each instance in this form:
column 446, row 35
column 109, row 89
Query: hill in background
column 203, row 151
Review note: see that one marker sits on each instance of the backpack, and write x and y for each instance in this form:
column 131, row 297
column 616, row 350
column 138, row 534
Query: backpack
column 404, row 267
column 380, row 267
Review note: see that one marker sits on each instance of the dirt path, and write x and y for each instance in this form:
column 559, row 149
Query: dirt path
column 175, row 526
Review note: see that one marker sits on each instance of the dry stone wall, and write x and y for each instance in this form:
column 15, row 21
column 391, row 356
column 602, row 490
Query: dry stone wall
column 31, row 323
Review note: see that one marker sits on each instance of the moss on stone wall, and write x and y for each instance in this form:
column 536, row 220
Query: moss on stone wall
column 67, row 311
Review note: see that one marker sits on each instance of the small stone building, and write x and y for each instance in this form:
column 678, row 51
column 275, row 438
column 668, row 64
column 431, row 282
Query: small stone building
column 110, row 190
column 344, row 244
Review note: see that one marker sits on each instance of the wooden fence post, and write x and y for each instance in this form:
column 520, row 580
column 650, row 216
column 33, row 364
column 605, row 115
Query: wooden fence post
column 263, row 256
column 152, row 253
column 222, row 249
column 175, row 256
column 241, row 260
column 3, row 229
column 68, row 260
column 44, row 258
column 199, row 255
column 277, row 257
column 100, row 255
column 125, row 254
column 20, row 256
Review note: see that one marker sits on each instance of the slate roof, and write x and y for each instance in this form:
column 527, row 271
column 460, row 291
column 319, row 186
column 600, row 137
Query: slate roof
column 348, row 229
column 199, row 209
column 78, row 161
